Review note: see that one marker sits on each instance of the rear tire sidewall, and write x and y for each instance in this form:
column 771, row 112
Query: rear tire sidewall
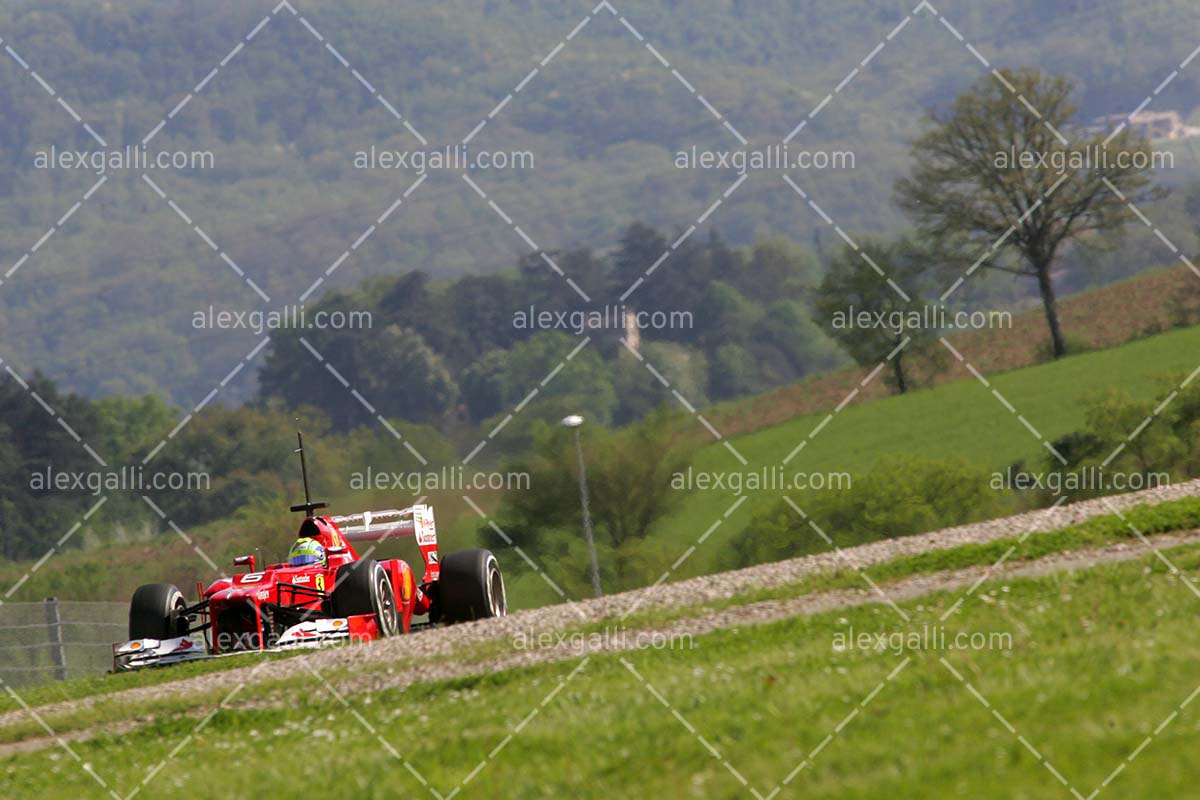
column 470, row 586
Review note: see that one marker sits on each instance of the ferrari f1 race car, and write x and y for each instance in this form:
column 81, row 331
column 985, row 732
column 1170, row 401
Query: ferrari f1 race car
column 327, row 594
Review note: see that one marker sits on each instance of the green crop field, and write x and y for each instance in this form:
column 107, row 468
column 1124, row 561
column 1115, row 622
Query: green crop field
column 1096, row 663
column 962, row 418
column 958, row 419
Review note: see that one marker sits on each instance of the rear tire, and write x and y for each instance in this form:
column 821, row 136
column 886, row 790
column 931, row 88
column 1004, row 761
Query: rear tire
column 363, row 587
column 470, row 587
column 156, row 612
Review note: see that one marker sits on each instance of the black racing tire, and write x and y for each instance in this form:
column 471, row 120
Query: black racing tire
column 363, row 587
column 470, row 587
column 156, row 612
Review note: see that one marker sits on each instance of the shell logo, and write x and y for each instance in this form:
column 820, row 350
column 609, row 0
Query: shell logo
column 406, row 587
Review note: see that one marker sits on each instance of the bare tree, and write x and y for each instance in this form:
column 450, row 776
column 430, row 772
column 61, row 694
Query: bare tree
column 1007, row 179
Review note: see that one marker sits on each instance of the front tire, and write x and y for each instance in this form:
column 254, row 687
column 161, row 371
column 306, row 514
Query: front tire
column 363, row 587
column 156, row 612
column 470, row 587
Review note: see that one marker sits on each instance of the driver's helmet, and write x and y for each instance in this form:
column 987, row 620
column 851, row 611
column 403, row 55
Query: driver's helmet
column 306, row 552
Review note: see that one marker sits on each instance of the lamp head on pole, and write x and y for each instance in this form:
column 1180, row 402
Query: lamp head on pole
column 573, row 421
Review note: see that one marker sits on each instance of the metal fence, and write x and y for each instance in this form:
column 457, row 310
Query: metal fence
column 56, row 640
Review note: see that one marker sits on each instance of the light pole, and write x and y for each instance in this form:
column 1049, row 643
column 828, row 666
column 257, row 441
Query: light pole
column 576, row 422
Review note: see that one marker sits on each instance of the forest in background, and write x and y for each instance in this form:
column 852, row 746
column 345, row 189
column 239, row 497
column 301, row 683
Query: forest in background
column 284, row 120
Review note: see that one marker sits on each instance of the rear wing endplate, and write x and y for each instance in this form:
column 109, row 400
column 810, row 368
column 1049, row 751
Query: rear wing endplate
column 375, row 526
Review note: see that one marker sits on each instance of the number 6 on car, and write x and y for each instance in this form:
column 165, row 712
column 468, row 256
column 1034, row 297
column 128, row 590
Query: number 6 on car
column 325, row 593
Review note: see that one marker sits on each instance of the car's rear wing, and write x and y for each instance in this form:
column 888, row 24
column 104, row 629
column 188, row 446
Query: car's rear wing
column 375, row 526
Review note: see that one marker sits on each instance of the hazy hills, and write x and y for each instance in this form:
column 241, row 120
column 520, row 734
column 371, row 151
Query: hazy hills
column 105, row 303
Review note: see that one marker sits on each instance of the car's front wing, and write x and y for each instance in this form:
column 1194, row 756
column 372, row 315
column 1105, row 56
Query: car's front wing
column 140, row 653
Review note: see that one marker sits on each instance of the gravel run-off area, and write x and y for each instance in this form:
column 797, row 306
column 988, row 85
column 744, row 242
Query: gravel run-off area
column 427, row 655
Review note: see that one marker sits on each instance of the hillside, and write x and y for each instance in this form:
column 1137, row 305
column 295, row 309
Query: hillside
column 283, row 121
column 1129, row 309
column 957, row 417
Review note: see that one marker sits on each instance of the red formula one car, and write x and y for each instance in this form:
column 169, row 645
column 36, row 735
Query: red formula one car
column 342, row 598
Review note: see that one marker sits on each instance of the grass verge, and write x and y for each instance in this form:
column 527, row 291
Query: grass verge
column 1097, row 661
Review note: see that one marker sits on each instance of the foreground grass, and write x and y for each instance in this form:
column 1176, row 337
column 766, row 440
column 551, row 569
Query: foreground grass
column 1173, row 516
column 1099, row 659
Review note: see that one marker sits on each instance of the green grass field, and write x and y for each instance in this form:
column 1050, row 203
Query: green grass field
column 1179, row 515
column 1099, row 661
column 958, row 419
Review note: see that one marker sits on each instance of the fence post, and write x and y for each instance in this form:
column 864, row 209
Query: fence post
column 54, row 628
